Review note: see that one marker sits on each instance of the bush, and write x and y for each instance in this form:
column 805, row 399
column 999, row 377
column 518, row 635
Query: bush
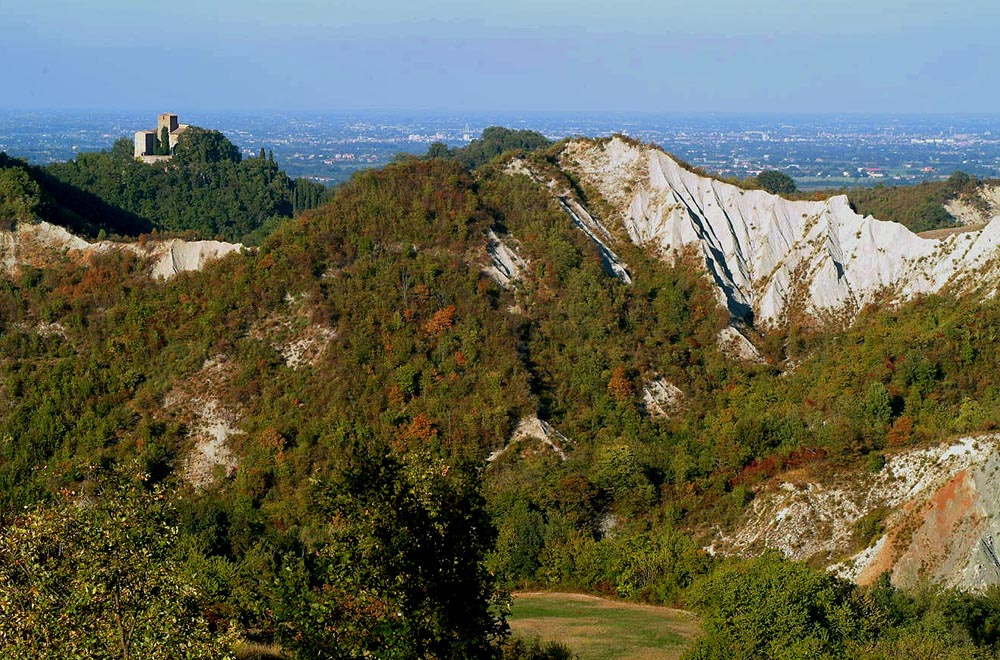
column 516, row 648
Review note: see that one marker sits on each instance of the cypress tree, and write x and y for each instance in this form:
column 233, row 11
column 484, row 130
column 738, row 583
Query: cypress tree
column 163, row 145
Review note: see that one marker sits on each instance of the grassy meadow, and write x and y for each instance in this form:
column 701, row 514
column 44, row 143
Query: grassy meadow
column 600, row 629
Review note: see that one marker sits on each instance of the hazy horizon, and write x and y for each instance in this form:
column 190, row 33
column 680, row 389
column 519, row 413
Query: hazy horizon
column 637, row 56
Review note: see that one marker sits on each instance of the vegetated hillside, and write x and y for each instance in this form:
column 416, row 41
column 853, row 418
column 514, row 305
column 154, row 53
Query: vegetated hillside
column 29, row 193
column 960, row 199
column 310, row 424
column 207, row 188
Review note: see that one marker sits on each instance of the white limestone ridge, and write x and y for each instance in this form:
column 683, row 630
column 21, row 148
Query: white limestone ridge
column 980, row 208
column 770, row 256
column 598, row 234
column 44, row 244
column 177, row 256
column 506, row 265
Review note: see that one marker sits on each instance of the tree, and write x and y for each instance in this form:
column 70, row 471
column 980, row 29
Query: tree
column 163, row 143
column 210, row 190
column 518, row 648
column 770, row 607
column 776, row 182
column 398, row 571
column 198, row 145
column 20, row 195
column 619, row 387
column 494, row 141
column 876, row 409
column 95, row 576
column 438, row 150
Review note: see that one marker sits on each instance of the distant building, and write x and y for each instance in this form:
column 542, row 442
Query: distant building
column 145, row 141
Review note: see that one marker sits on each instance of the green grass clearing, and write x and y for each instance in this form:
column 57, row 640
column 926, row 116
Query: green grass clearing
column 600, row 629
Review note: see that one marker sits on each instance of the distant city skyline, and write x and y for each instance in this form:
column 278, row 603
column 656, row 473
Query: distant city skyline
column 890, row 56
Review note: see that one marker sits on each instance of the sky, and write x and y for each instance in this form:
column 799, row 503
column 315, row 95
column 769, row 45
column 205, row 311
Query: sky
column 690, row 56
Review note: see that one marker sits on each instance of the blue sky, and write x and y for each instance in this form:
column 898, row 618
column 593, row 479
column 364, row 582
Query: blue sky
column 874, row 56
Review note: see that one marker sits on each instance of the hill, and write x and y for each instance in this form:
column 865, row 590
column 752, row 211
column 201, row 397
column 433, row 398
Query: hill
column 776, row 261
column 444, row 383
column 206, row 189
column 959, row 200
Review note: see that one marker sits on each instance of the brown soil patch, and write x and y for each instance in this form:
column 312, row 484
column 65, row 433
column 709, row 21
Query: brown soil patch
column 949, row 231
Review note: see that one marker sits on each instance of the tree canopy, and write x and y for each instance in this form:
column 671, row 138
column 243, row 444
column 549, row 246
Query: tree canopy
column 207, row 188
column 202, row 146
column 776, row 182
column 494, row 141
column 100, row 575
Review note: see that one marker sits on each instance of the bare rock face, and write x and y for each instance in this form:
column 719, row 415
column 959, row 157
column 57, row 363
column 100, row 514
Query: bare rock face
column 211, row 423
column 582, row 219
column 935, row 514
column 984, row 206
column 505, row 265
column 660, row 397
column 534, row 429
column 177, row 256
column 44, row 244
column 734, row 344
column 771, row 257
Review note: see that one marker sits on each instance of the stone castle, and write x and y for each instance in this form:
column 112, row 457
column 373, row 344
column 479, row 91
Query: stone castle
column 145, row 141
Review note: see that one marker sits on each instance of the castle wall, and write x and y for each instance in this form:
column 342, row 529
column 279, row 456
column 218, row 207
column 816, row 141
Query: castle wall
column 145, row 143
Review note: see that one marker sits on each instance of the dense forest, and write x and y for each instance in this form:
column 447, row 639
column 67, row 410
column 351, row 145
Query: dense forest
column 360, row 516
column 207, row 189
column 29, row 193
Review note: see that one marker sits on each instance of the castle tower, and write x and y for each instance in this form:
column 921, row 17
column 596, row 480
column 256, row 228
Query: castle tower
column 146, row 141
column 166, row 120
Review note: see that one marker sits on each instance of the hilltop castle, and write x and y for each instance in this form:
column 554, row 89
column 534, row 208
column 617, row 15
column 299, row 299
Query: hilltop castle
column 146, row 141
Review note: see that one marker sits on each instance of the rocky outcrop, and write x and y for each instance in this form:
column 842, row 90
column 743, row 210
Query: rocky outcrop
column 43, row 244
column 582, row 219
column 978, row 210
column 770, row 257
column 598, row 234
column 290, row 331
column 932, row 515
column 734, row 344
column 177, row 256
column 660, row 397
column 506, row 265
column 196, row 402
column 533, row 428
